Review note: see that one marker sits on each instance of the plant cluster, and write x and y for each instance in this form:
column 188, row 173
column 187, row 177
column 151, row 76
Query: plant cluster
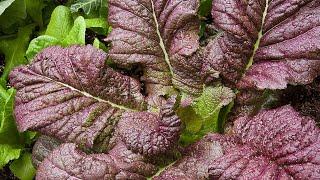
column 165, row 89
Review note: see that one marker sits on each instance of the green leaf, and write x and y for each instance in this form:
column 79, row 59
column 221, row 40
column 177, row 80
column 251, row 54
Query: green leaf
column 4, row 5
column 77, row 34
column 39, row 43
column 14, row 50
column 60, row 23
column 92, row 8
column 34, row 9
column 205, row 7
column 8, row 153
column 23, row 168
column 99, row 25
column 29, row 137
column 14, row 13
column 96, row 22
column 99, row 45
column 202, row 116
column 8, row 126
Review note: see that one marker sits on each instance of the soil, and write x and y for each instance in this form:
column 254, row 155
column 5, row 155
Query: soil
column 5, row 174
column 305, row 99
column 91, row 35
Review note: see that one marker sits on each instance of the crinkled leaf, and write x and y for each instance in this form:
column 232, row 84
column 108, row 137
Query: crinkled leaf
column 278, row 74
column 274, row 144
column 71, row 94
column 150, row 133
column 4, row 5
column 197, row 157
column 162, row 37
column 23, row 168
column 202, row 116
column 67, row 162
column 8, row 153
column 92, row 8
column 60, row 23
column 14, row 13
column 281, row 42
column 42, row 148
column 14, row 50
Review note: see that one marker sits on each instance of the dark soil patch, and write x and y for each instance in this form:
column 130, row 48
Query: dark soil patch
column 91, row 35
column 305, row 99
column 5, row 174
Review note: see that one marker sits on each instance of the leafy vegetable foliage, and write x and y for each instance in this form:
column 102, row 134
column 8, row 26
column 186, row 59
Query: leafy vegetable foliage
column 12, row 14
column 20, row 20
column 273, row 144
column 281, row 42
column 85, row 99
column 92, row 8
column 77, row 96
column 23, row 168
column 11, row 141
column 162, row 37
column 201, row 116
column 62, row 30
column 4, row 5
column 119, row 163
column 14, row 50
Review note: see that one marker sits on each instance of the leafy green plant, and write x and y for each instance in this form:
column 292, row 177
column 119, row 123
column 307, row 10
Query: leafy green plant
column 147, row 97
column 20, row 21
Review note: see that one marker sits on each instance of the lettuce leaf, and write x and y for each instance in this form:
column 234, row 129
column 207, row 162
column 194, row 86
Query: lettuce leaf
column 14, row 50
column 23, row 168
column 202, row 115
column 8, row 153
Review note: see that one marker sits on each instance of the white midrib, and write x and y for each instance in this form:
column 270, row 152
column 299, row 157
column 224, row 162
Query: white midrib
column 257, row 44
column 89, row 95
column 161, row 43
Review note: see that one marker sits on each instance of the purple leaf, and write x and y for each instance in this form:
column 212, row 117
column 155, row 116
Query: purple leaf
column 280, row 38
column 72, row 95
column 198, row 157
column 42, row 148
column 67, row 162
column 162, row 37
column 274, row 144
column 160, row 134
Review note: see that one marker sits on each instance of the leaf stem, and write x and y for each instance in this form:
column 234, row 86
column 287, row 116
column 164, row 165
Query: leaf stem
column 161, row 43
column 257, row 44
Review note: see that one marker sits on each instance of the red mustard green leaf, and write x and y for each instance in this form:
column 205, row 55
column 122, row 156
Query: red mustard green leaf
column 160, row 134
column 280, row 38
column 71, row 94
column 162, row 37
column 42, row 148
column 68, row 162
column 278, row 143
